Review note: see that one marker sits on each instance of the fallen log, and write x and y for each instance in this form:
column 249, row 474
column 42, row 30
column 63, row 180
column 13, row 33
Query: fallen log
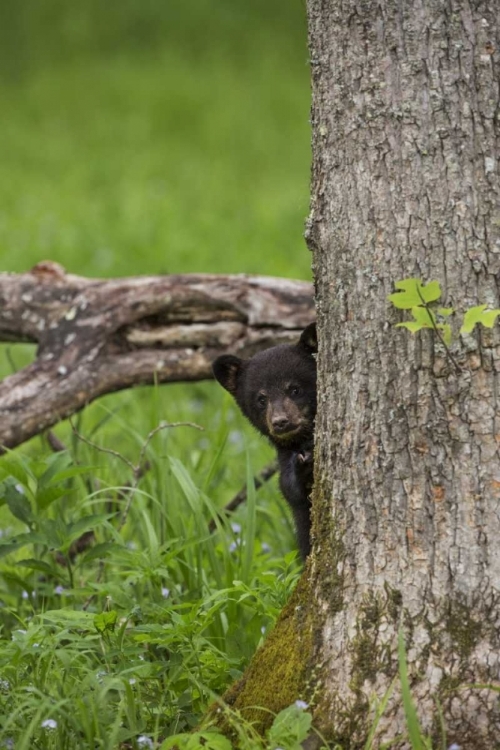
column 96, row 336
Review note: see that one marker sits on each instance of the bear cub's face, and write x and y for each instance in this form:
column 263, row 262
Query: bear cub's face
column 276, row 389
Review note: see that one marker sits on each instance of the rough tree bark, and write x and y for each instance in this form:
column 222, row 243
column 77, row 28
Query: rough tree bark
column 406, row 509
column 96, row 336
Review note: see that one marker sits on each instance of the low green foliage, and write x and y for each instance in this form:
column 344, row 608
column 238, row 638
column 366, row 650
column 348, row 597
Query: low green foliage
column 123, row 616
column 289, row 729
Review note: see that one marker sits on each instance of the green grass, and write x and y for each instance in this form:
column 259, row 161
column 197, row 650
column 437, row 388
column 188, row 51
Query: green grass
column 136, row 634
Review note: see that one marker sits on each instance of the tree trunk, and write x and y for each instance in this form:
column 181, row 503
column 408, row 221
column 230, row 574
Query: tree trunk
column 406, row 507
column 96, row 336
column 405, row 183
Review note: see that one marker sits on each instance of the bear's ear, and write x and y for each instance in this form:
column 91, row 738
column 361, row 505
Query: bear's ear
column 226, row 370
column 309, row 338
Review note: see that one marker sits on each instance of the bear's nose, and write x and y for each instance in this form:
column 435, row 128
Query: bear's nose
column 280, row 423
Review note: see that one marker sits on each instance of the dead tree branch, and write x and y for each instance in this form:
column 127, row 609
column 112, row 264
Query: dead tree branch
column 96, row 336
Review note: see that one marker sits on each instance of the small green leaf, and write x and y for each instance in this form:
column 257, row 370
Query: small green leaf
column 43, row 567
column 430, row 292
column 413, row 293
column 105, row 621
column 479, row 314
column 424, row 316
column 290, row 727
column 15, row 467
column 489, row 317
column 446, row 311
column 18, row 503
column 471, row 317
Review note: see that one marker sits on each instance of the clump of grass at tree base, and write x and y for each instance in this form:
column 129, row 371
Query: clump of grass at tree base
column 175, row 613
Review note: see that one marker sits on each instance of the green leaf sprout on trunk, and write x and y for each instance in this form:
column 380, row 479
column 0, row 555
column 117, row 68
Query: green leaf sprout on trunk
column 420, row 299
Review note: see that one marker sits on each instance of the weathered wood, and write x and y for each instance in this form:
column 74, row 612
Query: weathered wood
column 96, row 336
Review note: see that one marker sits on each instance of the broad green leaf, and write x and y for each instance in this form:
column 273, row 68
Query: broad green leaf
column 16, row 468
column 430, row 292
column 18, row 503
column 290, row 727
column 18, row 541
column 424, row 322
column 68, row 618
column 481, row 315
column 47, row 495
column 489, row 317
column 34, row 564
column 471, row 317
column 106, row 621
column 425, row 317
column 55, row 463
column 413, row 293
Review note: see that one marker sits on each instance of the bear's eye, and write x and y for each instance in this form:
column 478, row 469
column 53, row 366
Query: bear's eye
column 261, row 399
column 294, row 390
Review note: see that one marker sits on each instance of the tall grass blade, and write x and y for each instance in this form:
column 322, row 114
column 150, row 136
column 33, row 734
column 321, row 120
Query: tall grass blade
column 414, row 731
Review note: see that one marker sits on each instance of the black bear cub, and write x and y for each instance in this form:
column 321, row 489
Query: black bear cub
column 276, row 391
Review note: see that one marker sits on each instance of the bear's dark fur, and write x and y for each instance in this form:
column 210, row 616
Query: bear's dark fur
column 276, row 391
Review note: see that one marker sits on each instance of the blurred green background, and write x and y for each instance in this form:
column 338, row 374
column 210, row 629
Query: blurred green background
column 154, row 136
